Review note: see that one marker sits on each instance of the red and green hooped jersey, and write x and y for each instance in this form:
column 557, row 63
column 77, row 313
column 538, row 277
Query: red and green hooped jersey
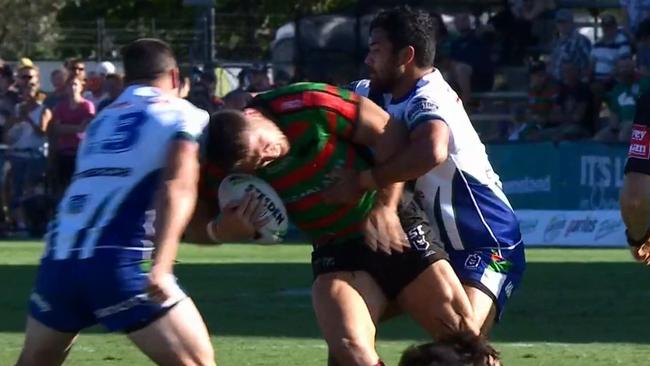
column 319, row 121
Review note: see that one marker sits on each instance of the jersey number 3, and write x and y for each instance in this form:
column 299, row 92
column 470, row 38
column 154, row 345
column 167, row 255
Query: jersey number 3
column 124, row 135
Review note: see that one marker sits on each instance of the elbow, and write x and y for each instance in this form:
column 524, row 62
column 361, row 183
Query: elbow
column 436, row 156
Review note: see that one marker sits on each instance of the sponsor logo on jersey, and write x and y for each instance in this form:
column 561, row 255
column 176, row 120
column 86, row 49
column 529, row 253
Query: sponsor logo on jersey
column 291, row 104
column 122, row 306
column 419, row 106
column 554, row 228
column 498, row 263
column 640, row 142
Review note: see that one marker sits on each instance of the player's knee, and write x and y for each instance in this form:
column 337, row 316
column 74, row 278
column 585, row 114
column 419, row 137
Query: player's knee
column 352, row 351
column 202, row 355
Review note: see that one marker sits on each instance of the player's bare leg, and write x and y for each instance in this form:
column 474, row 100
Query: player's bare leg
column 348, row 306
column 437, row 301
column 179, row 338
column 485, row 310
column 44, row 346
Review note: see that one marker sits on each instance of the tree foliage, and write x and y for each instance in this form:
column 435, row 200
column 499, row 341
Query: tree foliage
column 28, row 28
column 64, row 28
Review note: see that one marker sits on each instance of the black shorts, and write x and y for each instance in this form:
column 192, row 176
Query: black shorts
column 392, row 272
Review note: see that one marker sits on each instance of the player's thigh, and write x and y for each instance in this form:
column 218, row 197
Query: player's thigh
column 44, row 346
column 485, row 310
column 178, row 338
column 347, row 307
column 490, row 277
column 437, row 301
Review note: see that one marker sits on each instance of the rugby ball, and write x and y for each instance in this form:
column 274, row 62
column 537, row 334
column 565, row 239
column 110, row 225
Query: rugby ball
column 235, row 186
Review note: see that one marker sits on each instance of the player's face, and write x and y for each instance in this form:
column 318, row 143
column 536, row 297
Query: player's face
column 382, row 62
column 264, row 142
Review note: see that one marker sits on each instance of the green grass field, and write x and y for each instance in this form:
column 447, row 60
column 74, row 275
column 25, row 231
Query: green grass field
column 575, row 307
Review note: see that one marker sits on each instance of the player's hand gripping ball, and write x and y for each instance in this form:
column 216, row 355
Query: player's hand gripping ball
column 235, row 186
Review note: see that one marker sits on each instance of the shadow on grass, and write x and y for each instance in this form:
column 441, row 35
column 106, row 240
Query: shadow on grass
column 558, row 302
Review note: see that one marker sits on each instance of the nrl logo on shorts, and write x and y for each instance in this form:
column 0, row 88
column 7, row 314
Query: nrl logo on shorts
column 473, row 261
column 417, row 238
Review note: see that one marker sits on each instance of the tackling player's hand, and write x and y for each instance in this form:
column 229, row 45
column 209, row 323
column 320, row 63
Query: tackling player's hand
column 240, row 220
column 345, row 187
column 383, row 230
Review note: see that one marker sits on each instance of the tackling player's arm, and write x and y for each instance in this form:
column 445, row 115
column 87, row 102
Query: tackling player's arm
column 383, row 230
column 174, row 206
column 427, row 148
column 635, row 205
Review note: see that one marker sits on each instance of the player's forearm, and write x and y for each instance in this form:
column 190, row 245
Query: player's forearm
column 175, row 208
column 390, row 195
column 411, row 163
column 635, row 206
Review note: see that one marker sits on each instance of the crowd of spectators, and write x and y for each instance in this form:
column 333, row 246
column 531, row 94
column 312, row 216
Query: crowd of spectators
column 40, row 133
column 576, row 90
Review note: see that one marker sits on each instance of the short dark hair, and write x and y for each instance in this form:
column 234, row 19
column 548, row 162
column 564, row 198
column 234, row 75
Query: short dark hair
column 146, row 59
column 462, row 349
column 6, row 72
column 225, row 145
column 69, row 63
column 405, row 27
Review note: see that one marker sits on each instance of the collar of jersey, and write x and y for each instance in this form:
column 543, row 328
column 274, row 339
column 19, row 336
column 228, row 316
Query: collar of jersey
column 408, row 95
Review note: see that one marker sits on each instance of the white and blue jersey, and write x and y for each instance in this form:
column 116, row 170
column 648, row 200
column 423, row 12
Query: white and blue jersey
column 108, row 205
column 462, row 196
column 92, row 267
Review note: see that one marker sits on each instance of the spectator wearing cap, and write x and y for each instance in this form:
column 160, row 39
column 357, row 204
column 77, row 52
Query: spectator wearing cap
column 612, row 46
column 634, row 12
column 542, row 93
column 26, row 73
column 95, row 88
column 570, row 46
column 57, row 79
column 113, row 84
column 643, row 48
column 621, row 102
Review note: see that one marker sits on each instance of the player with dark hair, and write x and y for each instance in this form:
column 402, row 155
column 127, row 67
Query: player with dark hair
column 461, row 349
column 454, row 180
column 293, row 137
column 635, row 205
column 133, row 191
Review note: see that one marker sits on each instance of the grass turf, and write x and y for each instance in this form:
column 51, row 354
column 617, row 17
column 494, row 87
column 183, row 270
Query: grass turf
column 575, row 307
